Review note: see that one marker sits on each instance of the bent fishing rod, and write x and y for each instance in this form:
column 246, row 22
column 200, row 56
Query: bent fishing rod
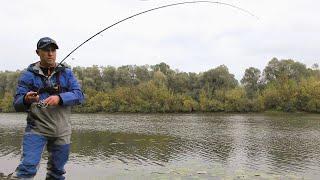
column 43, row 105
column 153, row 9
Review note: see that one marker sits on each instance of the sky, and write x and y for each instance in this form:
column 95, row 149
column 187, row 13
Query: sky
column 190, row 38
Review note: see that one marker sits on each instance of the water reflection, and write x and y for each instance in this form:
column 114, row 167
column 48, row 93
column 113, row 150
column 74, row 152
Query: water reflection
column 293, row 144
column 134, row 148
column 271, row 144
column 10, row 143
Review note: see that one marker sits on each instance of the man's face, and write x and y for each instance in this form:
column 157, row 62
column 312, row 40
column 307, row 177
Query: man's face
column 47, row 56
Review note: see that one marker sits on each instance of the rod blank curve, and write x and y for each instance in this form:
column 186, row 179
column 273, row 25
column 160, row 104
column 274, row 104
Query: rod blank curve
column 153, row 9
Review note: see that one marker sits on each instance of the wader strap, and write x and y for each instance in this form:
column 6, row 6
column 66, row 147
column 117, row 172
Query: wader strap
column 58, row 81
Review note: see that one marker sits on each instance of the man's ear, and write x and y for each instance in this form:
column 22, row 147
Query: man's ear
column 37, row 51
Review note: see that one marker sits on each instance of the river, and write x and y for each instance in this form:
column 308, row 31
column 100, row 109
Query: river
column 180, row 146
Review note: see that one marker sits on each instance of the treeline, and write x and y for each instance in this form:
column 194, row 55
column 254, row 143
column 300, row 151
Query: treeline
column 283, row 85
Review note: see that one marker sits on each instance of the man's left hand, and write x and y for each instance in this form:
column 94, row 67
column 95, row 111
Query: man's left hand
column 52, row 100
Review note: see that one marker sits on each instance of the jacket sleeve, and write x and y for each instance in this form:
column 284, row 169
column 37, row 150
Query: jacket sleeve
column 74, row 95
column 21, row 91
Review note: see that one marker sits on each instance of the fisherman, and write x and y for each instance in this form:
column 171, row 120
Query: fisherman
column 46, row 91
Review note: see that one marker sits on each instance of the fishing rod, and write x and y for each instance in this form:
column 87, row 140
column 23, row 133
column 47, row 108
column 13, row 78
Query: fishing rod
column 43, row 105
column 153, row 9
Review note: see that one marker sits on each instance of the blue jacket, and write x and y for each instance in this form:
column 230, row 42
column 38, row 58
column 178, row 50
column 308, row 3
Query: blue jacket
column 53, row 120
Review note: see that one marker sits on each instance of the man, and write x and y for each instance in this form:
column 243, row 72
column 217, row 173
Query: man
column 46, row 90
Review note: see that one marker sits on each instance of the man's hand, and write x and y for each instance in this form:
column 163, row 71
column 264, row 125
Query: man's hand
column 52, row 100
column 31, row 97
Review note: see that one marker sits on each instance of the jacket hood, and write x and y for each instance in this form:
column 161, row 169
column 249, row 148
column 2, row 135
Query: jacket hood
column 35, row 68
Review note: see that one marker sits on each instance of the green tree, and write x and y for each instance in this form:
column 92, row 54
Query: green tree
column 179, row 82
column 142, row 73
column 281, row 96
column 308, row 96
column 251, row 81
column 6, row 103
column 3, row 84
column 207, row 104
column 217, row 78
column 236, row 101
column 284, row 69
column 109, row 77
column 124, row 76
column 163, row 67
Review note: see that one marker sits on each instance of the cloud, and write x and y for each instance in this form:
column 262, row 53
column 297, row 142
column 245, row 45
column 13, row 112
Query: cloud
column 191, row 38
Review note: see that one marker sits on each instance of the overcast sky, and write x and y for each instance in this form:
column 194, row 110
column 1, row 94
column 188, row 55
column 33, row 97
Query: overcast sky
column 191, row 38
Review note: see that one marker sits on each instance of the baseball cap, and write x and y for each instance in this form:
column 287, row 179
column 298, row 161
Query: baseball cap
column 45, row 41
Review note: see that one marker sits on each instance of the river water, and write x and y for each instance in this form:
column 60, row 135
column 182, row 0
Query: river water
column 180, row 146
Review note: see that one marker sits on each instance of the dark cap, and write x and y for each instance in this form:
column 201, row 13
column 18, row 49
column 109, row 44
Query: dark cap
column 43, row 42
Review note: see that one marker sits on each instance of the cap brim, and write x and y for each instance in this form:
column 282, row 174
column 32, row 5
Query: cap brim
column 48, row 44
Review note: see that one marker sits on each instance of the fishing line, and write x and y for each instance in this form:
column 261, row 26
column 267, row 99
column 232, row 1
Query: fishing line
column 153, row 9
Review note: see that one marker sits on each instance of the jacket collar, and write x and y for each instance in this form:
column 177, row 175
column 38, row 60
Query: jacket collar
column 35, row 68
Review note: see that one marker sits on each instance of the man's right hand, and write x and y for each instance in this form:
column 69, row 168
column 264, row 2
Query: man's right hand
column 31, row 97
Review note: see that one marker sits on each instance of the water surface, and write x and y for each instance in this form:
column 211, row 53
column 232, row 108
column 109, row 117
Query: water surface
column 186, row 146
